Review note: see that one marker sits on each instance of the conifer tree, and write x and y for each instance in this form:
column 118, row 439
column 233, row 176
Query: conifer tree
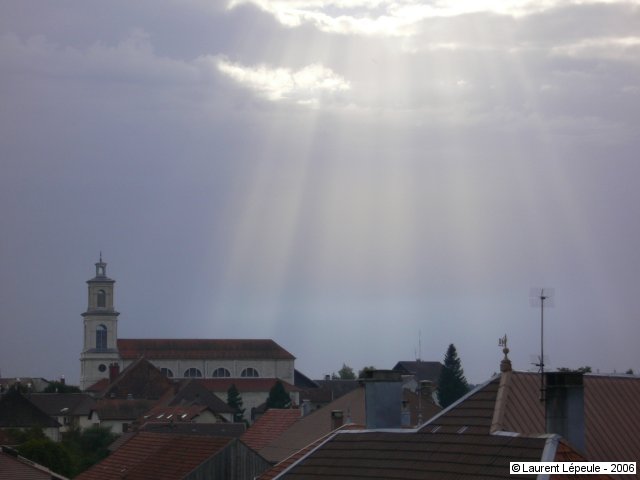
column 234, row 400
column 278, row 397
column 452, row 384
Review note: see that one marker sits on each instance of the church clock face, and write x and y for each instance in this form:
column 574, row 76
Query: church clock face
column 102, row 367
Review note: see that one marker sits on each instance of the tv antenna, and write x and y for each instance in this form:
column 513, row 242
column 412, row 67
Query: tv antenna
column 542, row 297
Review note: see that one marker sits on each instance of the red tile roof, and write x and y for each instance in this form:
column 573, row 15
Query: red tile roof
column 157, row 456
column 270, row 426
column 15, row 467
column 315, row 425
column 202, row 349
column 411, row 455
column 177, row 413
column 141, row 379
column 611, row 413
column 287, row 462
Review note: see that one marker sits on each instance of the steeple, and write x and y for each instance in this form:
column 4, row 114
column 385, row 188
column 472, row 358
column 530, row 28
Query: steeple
column 101, row 268
column 100, row 327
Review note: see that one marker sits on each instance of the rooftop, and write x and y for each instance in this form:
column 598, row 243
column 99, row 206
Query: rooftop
column 234, row 349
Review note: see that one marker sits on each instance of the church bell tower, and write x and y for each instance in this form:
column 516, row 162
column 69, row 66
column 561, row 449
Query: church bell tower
column 100, row 349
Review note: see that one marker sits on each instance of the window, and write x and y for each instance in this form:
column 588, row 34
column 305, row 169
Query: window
column 249, row 372
column 221, row 372
column 166, row 372
column 102, row 298
column 101, row 337
column 102, row 367
column 192, row 372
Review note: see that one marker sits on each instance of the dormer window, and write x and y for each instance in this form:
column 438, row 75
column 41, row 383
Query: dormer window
column 102, row 299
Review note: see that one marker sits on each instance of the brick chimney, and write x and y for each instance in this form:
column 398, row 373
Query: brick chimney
column 564, row 407
column 383, row 398
column 337, row 419
column 114, row 371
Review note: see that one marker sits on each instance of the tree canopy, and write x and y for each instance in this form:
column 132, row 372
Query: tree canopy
column 59, row 387
column 452, row 383
column 345, row 373
column 234, row 400
column 278, row 397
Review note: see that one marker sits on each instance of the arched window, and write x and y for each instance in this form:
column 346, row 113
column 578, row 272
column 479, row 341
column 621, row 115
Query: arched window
column 101, row 337
column 221, row 372
column 249, row 372
column 192, row 373
column 166, row 372
column 102, row 298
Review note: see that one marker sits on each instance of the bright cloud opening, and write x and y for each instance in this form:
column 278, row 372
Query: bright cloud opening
column 394, row 17
column 306, row 86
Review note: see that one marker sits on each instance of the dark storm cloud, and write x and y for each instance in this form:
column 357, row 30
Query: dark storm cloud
column 479, row 156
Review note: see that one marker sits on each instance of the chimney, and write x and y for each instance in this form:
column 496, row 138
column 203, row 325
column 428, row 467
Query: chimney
column 337, row 419
column 383, row 398
column 114, row 371
column 305, row 407
column 564, row 407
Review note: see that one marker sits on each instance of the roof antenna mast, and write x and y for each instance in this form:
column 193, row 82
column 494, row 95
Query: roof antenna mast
column 542, row 297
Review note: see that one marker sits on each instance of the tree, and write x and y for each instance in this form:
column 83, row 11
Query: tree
column 48, row 453
column 59, row 387
column 364, row 371
column 452, row 384
column 89, row 446
column 234, row 400
column 346, row 373
column 585, row 369
column 278, row 397
column 629, row 372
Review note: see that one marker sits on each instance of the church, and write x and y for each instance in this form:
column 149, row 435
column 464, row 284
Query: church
column 176, row 358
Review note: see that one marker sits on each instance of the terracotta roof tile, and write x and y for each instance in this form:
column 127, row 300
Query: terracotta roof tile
column 141, row 379
column 15, row 467
column 202, row 349
column 315, row 425
column 287, row 462
column 270, row 426
column 414, row 455
column 156, row 455
column 611, row 412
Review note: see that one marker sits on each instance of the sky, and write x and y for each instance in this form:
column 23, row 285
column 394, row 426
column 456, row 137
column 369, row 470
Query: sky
column 363, row 181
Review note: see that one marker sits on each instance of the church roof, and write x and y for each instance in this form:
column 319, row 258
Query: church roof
column 232, row 349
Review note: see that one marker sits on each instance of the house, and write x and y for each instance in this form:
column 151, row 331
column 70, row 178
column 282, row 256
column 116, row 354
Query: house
column 326, row 391
column 168, row 456
column 118, row 414
column 17, row 411
column 428, row 372
column 15, row 467
column 457, row 443
column 142, row 394
column 350, row 408
column 176, row 358
column 71, row 410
